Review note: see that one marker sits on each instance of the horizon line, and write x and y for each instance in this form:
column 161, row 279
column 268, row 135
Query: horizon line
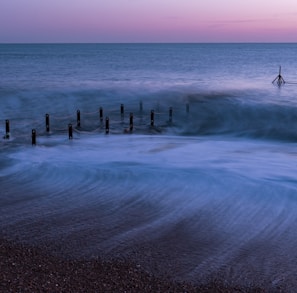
column 146, row 43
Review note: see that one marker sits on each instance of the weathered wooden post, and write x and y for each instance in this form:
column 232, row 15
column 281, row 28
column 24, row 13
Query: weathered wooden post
column 101, row 114
column 152, row 118
column 188, row 108
column 33, row 137
column 131, row 122
column 70, row 131
column 122, row 112
column 7, row 129
column 47, row 123
column 78, row 118
column 140, row 107
column 107, row 125
column 170, row 114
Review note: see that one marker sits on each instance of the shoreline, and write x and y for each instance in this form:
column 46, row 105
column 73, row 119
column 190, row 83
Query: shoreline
column 29, row 269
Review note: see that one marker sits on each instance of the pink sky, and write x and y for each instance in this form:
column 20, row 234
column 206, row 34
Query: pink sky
column 148, row 21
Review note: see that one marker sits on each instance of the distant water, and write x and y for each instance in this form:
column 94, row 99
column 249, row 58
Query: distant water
column 208, row 190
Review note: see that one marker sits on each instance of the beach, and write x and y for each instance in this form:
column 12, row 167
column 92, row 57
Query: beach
column 31, row 269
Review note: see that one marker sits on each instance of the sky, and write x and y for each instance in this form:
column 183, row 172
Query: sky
column 118, row 21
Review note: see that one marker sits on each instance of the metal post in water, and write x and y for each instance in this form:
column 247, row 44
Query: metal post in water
column 131, row 122
column 47, row 123
column 70, row 131
column 279, row 79
column 78, row 118
column 7, row 131
column 152, row 117
column 170, row 114
column 188, row 108
column 107, row 125
column 101, row 114
column 33, row 137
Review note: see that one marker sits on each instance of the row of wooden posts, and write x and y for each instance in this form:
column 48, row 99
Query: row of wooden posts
column 78, row 122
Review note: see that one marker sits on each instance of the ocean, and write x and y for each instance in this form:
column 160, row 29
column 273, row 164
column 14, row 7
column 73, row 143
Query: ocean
column 200, row 182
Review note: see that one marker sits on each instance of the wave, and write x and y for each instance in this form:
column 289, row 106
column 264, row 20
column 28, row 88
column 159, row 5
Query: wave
column 176, row 111
column 218, row 115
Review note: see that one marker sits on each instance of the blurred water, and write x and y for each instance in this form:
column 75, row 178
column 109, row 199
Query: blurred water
column 211, row 192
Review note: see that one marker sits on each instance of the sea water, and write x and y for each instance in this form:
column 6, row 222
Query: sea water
column 208, row 188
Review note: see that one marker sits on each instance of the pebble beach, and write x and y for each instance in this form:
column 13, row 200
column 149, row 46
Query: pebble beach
column 30, row 269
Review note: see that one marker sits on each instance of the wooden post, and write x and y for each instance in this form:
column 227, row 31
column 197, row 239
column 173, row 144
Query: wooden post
column 101, row 114
column 107, row 125
column 122, row 111
column 188, row 108
column 152, row 118
column 33, row 137
column 47, row 123
column 140, row 107
column 70, row 131
column 131, row 122
column 78, row 118
column 170, row 114
column 7, row 130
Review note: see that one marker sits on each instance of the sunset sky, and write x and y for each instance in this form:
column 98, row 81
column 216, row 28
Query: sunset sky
column 148, row 21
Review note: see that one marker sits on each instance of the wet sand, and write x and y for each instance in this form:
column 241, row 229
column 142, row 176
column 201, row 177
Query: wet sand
column 29, row 269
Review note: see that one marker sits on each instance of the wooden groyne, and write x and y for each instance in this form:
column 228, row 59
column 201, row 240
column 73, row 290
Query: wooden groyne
column 104, row 124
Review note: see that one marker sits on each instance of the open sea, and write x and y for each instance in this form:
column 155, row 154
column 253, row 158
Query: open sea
column 203, row 186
